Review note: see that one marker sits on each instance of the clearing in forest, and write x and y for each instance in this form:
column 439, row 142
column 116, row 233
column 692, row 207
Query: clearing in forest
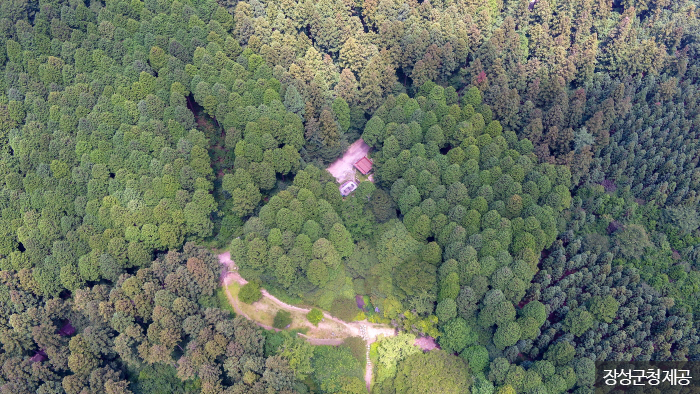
column 343, row 169
column 263, row 312
column 331, row 331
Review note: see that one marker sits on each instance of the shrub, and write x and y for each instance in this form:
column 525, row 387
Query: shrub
column 282, row 319
column 250, row 292
column 314, row 316
column 344, row 309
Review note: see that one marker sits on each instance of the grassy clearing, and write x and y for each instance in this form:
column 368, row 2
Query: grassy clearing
column 259, row 311
column 223, row 301
column 264, row 312
column 233, row 288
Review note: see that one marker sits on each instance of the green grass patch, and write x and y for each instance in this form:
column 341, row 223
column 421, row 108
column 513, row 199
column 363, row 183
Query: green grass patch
column 374, row 353
column 223, row 301
column 260, row 316
column 233, row 288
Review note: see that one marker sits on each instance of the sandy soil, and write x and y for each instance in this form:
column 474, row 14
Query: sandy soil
column 317, row 335
column 342, row 169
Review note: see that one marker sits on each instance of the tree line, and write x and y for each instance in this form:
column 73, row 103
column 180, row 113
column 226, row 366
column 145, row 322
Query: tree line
column 534, row 205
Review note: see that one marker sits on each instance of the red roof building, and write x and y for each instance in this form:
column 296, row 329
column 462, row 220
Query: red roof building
column 364, row 165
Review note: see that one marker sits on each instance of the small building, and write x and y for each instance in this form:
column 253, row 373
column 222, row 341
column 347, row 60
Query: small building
column 347, row 188
column 364, row 165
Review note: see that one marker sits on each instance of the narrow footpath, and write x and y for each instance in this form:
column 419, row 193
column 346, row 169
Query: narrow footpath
column 367, row 331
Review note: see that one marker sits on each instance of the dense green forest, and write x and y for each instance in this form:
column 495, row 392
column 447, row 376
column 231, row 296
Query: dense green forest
column 534, row 203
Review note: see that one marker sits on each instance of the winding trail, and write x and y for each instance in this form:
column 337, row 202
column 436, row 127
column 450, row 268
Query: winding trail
column 367, row 331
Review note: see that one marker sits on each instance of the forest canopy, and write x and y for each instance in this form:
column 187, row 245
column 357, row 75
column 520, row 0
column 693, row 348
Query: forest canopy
column 533, row 205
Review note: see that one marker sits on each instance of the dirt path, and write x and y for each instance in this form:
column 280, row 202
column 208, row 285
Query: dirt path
column 237, row 308
column 368, row 331
column 342, row 169
column 318, row 341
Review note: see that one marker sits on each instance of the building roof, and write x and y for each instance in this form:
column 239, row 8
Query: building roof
column 364, row 165
column 347, row 187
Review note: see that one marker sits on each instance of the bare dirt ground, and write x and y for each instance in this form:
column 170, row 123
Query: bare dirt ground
column 331, row 331
column 342, row 169
column 426, row 343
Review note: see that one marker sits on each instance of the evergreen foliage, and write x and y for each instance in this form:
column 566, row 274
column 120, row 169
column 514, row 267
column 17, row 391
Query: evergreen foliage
column 533, row 205
column 250, row 292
